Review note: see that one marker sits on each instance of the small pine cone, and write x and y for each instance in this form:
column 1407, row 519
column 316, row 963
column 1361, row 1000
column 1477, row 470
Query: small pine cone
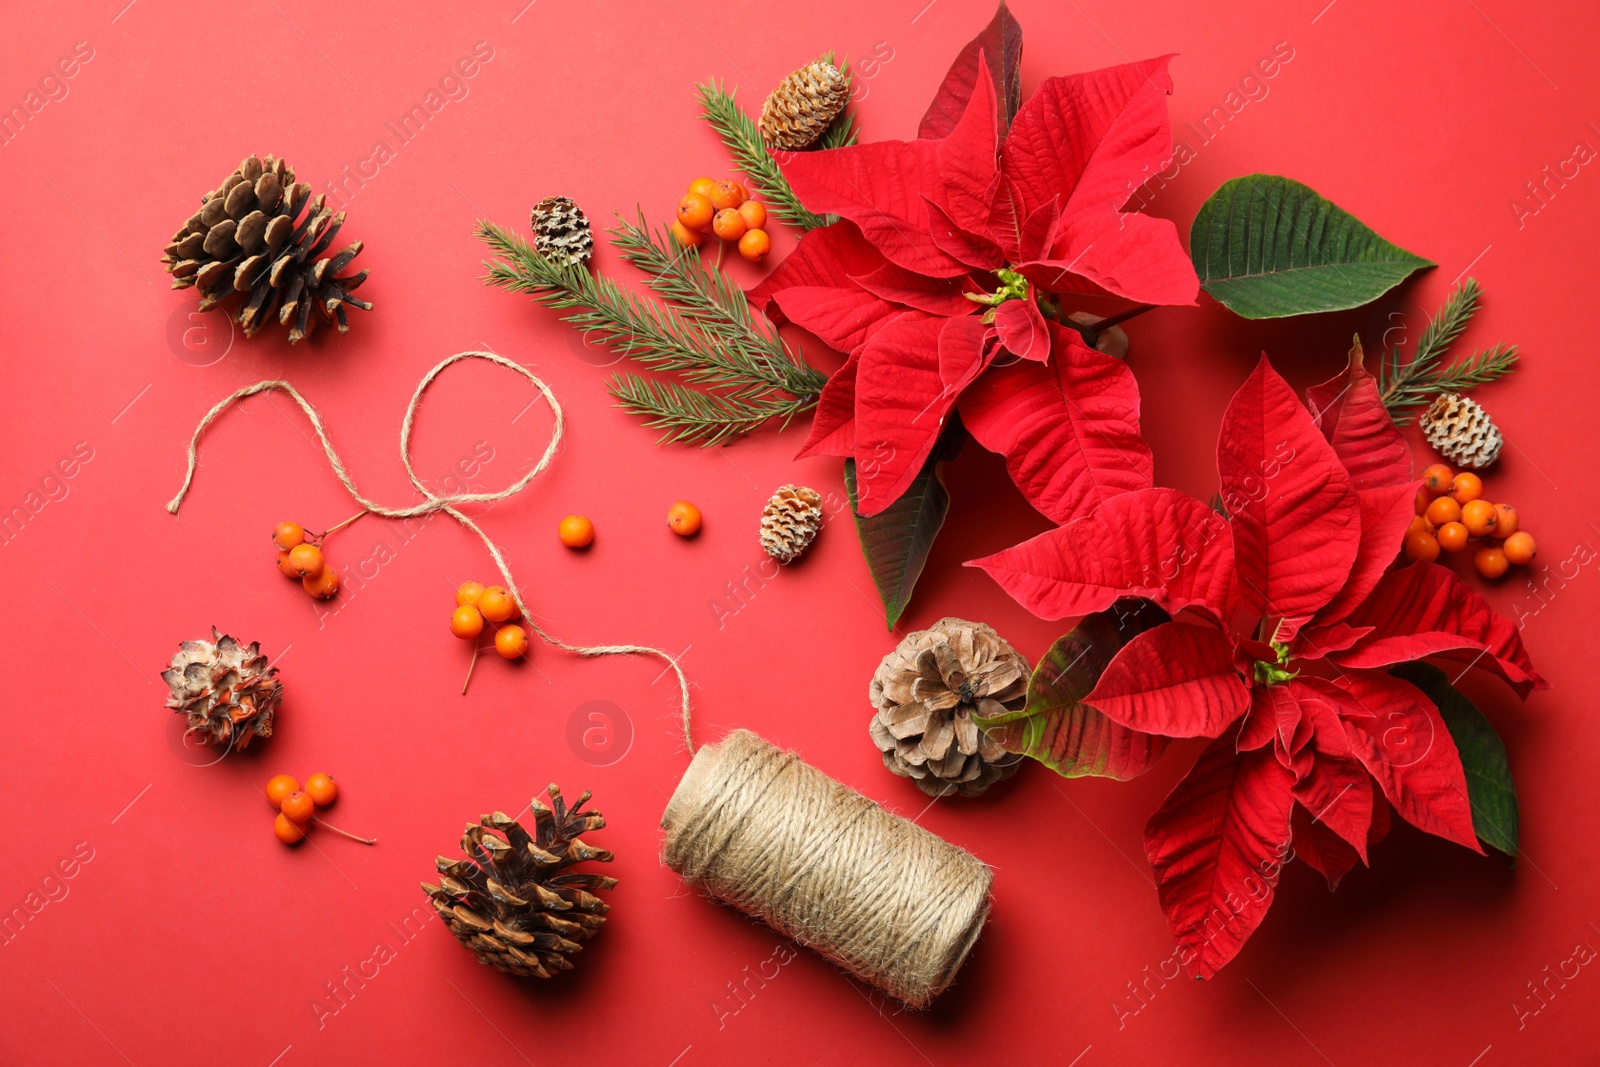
column 226, row 689
column 1461, row 431
column 515, row 900
column 561, row 231
column 927, row 692
column 790, row 522
column 803, row 105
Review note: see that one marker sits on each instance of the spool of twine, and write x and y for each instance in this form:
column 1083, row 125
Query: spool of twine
column 759, row 828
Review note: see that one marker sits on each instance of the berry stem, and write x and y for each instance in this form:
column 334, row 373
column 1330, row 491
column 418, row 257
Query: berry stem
column 468, row 679
column 341, row 525
column 344, row 833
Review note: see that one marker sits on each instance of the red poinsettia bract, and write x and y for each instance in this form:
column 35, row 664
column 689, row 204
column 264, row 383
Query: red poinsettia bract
column 1293, row 613
column 950, row 252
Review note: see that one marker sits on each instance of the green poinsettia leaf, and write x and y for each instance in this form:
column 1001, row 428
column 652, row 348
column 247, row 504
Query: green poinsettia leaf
column 1056, row 727
column 896, row 541
column 1490, row 790
column 1267, row 247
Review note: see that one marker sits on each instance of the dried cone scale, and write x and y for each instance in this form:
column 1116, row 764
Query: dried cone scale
column 1461, row 431
column 226, row 690
column 790, row 522
column 803, row 105
column 246, row 240
column 927, row 692
column 514, row 901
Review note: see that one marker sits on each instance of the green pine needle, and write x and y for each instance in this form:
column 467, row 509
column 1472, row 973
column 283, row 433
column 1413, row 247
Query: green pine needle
column 1405, row 384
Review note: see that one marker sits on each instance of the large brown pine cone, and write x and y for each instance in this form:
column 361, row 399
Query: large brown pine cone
column 803, row 105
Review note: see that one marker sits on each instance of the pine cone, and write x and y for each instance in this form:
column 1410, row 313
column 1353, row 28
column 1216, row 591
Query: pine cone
column 803, row 105
column 1461, row 431
column 244, row 239
column 928, row 690
column 561, row 231
column 511, row 901
column 790, row 522
column 227, row 690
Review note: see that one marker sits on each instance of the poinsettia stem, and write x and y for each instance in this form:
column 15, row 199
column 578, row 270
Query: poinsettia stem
column 1092, row 333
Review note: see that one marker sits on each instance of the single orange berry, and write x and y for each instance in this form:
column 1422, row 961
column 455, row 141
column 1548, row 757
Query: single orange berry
column 1443, row 510
column 686, row 237
column 576, row 531
column 280, row 786
column 288, row 534
column 727, row 194
column 1421, row 545
column 468, row 592
column 1491, row 562
column 754, row 245
column 1478, row 517
column 684, row 518
column 1505, row 520
column 288, row 830
column 1424, row 498
column 466, row 622
column 695, row 211
column 1417, row 523
column 1466, row 486
column 298, row 806
column 511, row 642
column 703, row 186
column 1520, row 547
column 728, row 225
column 323, row 585
column 286, row 565
column 1436, row 479
column 497, row 605
column 1452, row 537
column 306, row 560
column 322, row 789
column 754, row 214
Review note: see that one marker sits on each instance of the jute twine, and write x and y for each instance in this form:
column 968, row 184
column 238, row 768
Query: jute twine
column 763, row 830
column 432, row 502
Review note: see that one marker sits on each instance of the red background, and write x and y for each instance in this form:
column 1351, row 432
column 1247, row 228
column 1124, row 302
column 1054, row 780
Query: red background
column 191, row 935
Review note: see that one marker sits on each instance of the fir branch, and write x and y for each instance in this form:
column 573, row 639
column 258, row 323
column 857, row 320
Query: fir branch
column 742, row 137
column 692, row 415
column 1404, row 384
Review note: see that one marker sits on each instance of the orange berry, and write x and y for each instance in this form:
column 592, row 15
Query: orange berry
column 306, row 560
column 576, row 531
column 298, row 806
column 323, row 585
column 754, row 245
column 1424, row 498
column 728, row 225
column 1436, row 479
column 322, row 789
column 1421, row 545
column 703, row 186
column 511, row 642
column 1466, row 486
column 1491, row 562
column 468, row 592
column 280, row 786
column 1443, row 510
column 466, row 622
column 727, row 194
column 1505, row 520
column 684, row 518
column 286, row 565
column 686, row 237
column 288, row 534
column 1452, row 537
column 753, row 213
column 1417, row 523
column 695, row 211
column 1478, row 517
column 287, row 830
column 497, row 605
column 1520, row 547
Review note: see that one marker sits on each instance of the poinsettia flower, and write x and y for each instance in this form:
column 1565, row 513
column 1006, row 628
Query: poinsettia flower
column 942, row 281
column 1292, row 610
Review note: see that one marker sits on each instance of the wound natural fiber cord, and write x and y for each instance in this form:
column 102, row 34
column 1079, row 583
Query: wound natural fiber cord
column 761, row 829
column 446, row 504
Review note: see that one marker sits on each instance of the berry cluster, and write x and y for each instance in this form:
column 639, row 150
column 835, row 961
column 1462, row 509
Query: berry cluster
column 299, row 557
column 477, row 604
column 297, row 806
column 1452, row 513
column 726, row 209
